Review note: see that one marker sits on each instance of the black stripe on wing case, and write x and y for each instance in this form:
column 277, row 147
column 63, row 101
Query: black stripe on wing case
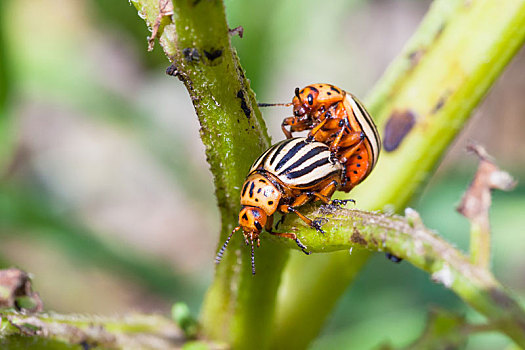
column 316, row 181
column 292, row 152
column 308, row 169
column 311, row 153
column 368, row 120
column 284, row 143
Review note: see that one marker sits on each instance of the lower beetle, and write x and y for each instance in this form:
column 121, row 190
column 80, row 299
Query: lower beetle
column 286, row 176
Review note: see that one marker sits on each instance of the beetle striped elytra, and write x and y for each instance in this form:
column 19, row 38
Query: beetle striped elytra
column 340, row 120
column 286, row 176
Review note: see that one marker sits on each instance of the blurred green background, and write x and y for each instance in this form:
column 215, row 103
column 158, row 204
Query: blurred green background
column 105, row 193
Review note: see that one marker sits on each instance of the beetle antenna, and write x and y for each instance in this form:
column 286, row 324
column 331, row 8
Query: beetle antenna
column 274, row 104
column 297, row 93
column 253, row 260
column 219, row 254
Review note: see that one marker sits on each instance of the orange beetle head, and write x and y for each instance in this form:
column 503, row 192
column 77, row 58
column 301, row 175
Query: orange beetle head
column 305, row 101
column 252, row 221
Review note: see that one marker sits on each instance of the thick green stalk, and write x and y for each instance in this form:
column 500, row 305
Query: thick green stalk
column 448, row 66
column 54, row 331
column 238, row 308
column 408, row 239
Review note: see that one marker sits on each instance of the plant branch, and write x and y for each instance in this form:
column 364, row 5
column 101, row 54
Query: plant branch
column 196, row 39
column 48, row 331
column 439, row 79
column 476, row 201
column 436, row 81
column 407, row 238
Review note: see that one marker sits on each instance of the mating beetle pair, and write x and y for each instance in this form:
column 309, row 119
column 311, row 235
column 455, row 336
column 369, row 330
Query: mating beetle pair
column 339, row 152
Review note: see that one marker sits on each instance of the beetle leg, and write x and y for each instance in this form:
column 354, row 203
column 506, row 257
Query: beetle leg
column 281, row 221
column 347, row 153
column 298, row 201
column 325, row 193
column 312, row 223
column 269, row 224
column 288, row 121
column 318, row 127
column 321, row 197
column 351, row 138
column 334, row 147
column 340, row 202
column 295, row 124
column 294, row 237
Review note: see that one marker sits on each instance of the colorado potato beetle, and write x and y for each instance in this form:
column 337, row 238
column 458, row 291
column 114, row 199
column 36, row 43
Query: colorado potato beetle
column 340, row 120
column 286, row 176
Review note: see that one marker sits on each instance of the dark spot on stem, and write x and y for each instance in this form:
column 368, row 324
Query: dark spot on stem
column 213, row 54
column 502, row 299
column 393, row 258
column 191, row 54
column 397, row 128
column 244, row 105
column 172, row 70
column 358, row 238
column 241, row 72
column 440, row 103
column 440, row 31
column 415, row 57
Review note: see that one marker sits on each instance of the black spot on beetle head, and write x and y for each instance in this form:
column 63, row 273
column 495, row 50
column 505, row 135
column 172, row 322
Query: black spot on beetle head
column 310, row 99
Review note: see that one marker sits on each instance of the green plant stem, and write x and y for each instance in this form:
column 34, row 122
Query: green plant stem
column 480, row 243
column 439, row 79
column 448, row 66
column 196, row 40
column 52, row 331
column 408, row 239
